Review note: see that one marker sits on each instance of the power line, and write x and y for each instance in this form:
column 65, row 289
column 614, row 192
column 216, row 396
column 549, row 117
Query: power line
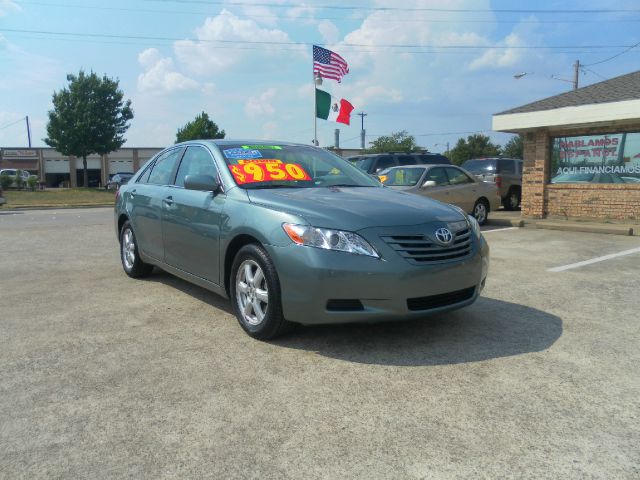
column 12, row 123
column 406, row 9
column 615, row 56
column 291, row 43
column 254, row 16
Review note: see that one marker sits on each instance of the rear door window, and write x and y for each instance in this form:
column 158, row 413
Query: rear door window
column 384, row 162
column 407, row 160
column 506, row 166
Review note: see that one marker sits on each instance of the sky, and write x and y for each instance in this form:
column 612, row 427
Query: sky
column 438, row 69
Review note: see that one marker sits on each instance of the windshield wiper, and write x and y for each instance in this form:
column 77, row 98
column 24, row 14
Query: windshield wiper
column 264, row 186
column 346, row 185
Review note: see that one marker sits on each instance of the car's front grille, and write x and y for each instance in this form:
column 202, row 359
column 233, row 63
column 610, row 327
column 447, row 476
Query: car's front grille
column 441, row 300
column 419, row 249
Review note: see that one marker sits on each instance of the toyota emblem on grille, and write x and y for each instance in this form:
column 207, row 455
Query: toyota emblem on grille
column 444, row 236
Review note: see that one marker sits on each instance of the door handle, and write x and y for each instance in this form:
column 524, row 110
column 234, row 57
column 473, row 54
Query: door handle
column 132, row 193
column 168, row 201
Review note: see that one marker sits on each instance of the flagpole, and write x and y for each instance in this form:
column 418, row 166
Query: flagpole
column 315, row 111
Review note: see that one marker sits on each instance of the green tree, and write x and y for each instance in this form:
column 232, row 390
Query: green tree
column 513, row 148
column 5, row 181
column 89, row 116
column 476, row 145
column 201, row 128
column 18, row 180
column 396, row 142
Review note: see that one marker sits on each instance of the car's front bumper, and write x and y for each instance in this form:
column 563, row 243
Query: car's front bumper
column 311, row 277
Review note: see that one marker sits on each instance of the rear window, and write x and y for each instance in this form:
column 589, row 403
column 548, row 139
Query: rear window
column 480, row 166
column 363, row 163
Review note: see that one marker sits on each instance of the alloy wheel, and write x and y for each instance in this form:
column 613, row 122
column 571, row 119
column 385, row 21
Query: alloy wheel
column 252, row 292
column 128, row 249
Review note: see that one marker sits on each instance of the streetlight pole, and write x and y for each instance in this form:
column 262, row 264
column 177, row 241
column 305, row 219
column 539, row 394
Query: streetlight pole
column 28, row 131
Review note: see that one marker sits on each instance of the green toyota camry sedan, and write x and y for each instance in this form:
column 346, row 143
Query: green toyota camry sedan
column 295, row 234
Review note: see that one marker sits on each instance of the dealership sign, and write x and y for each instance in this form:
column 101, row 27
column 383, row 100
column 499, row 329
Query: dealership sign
column 15, row 154
column 592, row 149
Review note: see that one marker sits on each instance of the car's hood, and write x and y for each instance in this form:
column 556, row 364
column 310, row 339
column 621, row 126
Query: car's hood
column 354, row 208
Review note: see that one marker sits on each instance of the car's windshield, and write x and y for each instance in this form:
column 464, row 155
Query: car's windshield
column 402, row 177
column 293, row 166
column 479, row 166
column 363, row 163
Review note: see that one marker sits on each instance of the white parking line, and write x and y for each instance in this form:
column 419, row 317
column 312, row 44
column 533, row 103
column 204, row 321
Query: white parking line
column 593, row 260
column 499, row 229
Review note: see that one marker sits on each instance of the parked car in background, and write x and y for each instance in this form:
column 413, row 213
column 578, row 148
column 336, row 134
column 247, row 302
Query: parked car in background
column 13, row 173
column 447, row 183
column 295, row 234
column 506, row 173
column 117, row 180
column 377, row 162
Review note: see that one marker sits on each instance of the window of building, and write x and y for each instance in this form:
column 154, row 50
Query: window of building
column 603, row 158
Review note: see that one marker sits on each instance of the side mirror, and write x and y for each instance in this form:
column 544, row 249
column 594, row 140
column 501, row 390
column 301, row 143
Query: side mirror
column 203, row 183
column 429, row 183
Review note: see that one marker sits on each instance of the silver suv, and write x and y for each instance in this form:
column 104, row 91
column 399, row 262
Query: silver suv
column 506, row 173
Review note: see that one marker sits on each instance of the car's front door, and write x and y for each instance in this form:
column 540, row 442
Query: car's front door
column 145, row 198
column 463, row 189
column 440, row 191
column 191, row 219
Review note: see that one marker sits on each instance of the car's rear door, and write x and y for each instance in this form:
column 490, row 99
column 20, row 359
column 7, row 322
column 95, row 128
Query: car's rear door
column 191, row 219
column 145, row 200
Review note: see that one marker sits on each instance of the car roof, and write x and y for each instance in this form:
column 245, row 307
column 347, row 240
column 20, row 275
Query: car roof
column 242, row 141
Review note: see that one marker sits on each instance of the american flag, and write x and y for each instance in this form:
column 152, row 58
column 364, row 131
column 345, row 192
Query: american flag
column 329, row 64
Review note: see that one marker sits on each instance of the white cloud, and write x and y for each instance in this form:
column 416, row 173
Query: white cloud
column 500, row 57
column 329, row 31
column 208, row 55
column 261, row 105
column 8, row 6
column 160, row 75
column 269, row 130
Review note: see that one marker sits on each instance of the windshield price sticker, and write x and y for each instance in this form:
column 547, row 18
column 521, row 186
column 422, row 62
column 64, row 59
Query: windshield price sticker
column 255, row 172
column 260, row 160
column 261, row 147
column 241, row 153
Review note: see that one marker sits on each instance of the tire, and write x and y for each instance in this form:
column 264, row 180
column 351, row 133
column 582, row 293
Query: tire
column 481, row 211
column 512, row 200
column 129, row 256
column 255, row 294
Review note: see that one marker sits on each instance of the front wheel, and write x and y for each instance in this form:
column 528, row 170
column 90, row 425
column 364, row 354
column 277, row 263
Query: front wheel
column 481, row 211
column 255, row 294
column 131, row 261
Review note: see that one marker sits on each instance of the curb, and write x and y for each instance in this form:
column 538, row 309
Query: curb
column 54, row 207
column 505, row 222
column 574, row 227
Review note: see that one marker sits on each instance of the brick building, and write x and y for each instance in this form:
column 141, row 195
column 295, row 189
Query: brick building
column 581, row 151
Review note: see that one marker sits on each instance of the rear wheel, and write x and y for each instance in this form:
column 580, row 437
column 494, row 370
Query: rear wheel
column 512, row 201
column 131, row 262
column 255, row 294
column 481, row 211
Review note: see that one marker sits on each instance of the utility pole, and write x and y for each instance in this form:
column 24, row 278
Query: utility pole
column 576, row 73
column 28, row 130
column 362, row 131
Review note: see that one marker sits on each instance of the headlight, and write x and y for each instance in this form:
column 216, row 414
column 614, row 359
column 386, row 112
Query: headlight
column 338, row 240
column 475, row 226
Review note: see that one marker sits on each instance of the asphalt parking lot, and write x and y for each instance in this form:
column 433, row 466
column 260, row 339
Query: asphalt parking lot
column 103, row 376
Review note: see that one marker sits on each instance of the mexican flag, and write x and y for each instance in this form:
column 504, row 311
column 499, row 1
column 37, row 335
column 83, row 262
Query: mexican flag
column 332, row 108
